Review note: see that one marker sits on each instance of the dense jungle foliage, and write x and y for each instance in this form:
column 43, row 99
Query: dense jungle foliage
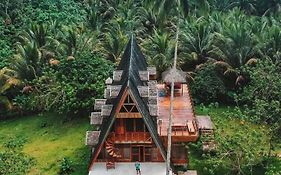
column 56, row 54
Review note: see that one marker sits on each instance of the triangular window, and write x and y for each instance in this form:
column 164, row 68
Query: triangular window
column 129, row 106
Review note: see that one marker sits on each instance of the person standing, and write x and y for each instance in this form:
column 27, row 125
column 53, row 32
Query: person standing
column 138, row 167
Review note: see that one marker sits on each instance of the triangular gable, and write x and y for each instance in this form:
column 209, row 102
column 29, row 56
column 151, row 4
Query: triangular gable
column 131, row 62
column 129, row 105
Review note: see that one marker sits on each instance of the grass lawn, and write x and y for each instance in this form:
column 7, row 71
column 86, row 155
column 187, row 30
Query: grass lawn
column 227, row 126
column 49, row 140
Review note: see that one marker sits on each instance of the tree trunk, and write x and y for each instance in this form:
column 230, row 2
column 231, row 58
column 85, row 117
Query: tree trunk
column 170, row 130
column 171, row 111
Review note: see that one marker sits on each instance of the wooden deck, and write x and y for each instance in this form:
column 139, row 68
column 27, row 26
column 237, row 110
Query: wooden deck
column 184, row 122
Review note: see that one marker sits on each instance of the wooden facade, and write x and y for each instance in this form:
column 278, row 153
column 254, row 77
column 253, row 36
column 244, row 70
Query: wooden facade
column 133, row 118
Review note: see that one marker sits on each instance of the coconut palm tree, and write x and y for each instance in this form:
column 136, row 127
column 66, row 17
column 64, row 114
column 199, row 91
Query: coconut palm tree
column 113, row 43
column 197, row 41
column 160, row 49
column 236, row 45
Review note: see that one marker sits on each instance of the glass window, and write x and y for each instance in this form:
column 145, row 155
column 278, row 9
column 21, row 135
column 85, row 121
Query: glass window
column 139, row 125
column 130, row 125
column 127, row 153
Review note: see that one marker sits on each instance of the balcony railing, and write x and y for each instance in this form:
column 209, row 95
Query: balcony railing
column 179, row 130
column 131, row 137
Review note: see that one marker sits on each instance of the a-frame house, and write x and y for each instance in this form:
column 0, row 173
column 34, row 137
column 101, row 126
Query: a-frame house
column 131, row 122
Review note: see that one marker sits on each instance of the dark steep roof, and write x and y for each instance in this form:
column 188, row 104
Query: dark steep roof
column 131, row 63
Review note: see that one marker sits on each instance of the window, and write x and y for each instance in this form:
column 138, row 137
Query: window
column 135, row 125
column 126, row 153
column 130, row 125
column 139, row 125
column 129, row 106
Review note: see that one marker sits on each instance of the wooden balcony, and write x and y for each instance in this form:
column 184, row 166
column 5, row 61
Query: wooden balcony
column 129, row 115
column 131, row 137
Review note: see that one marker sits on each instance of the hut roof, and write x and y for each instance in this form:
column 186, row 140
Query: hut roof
column 174, row 75
column 131, row 63
column 204, row 122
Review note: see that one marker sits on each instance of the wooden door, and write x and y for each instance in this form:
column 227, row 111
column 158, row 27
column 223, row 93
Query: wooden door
column 137, row 153
column 141, row 153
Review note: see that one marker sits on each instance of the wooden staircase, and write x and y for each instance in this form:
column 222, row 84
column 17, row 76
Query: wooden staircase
column 113, row 153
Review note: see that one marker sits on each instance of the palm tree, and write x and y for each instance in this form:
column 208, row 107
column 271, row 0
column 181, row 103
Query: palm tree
column 113, row 43
column 148, row 14
column 197, row 41
column 270, row 39
column 40, row 34
column 235, row 45
column 27, row 63
column 68, row 40
column 37, row 33
column 160, row 49
column 249, row 6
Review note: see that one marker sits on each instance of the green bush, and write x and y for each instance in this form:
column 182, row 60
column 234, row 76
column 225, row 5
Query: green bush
column 15, row 143
column 70, row 87
column 82, row 80
column 12, row 160
column 5, row 52
column 274, row 167
column 65, row 167
column 262, row 95
column 208, row 85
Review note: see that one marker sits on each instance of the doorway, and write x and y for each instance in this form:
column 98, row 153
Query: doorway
column 141, row 153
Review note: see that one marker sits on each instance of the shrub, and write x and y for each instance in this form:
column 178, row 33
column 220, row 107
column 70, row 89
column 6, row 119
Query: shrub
column 70, row 87
column 262, row 95
column 12, row 160
column 208, row 86
column 65, row 167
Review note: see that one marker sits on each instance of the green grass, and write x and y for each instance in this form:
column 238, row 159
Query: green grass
column 49, row 140
column 227, row 125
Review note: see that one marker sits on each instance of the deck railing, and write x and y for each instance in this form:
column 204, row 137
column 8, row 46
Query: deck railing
column 137, row 137
column 184, row 130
